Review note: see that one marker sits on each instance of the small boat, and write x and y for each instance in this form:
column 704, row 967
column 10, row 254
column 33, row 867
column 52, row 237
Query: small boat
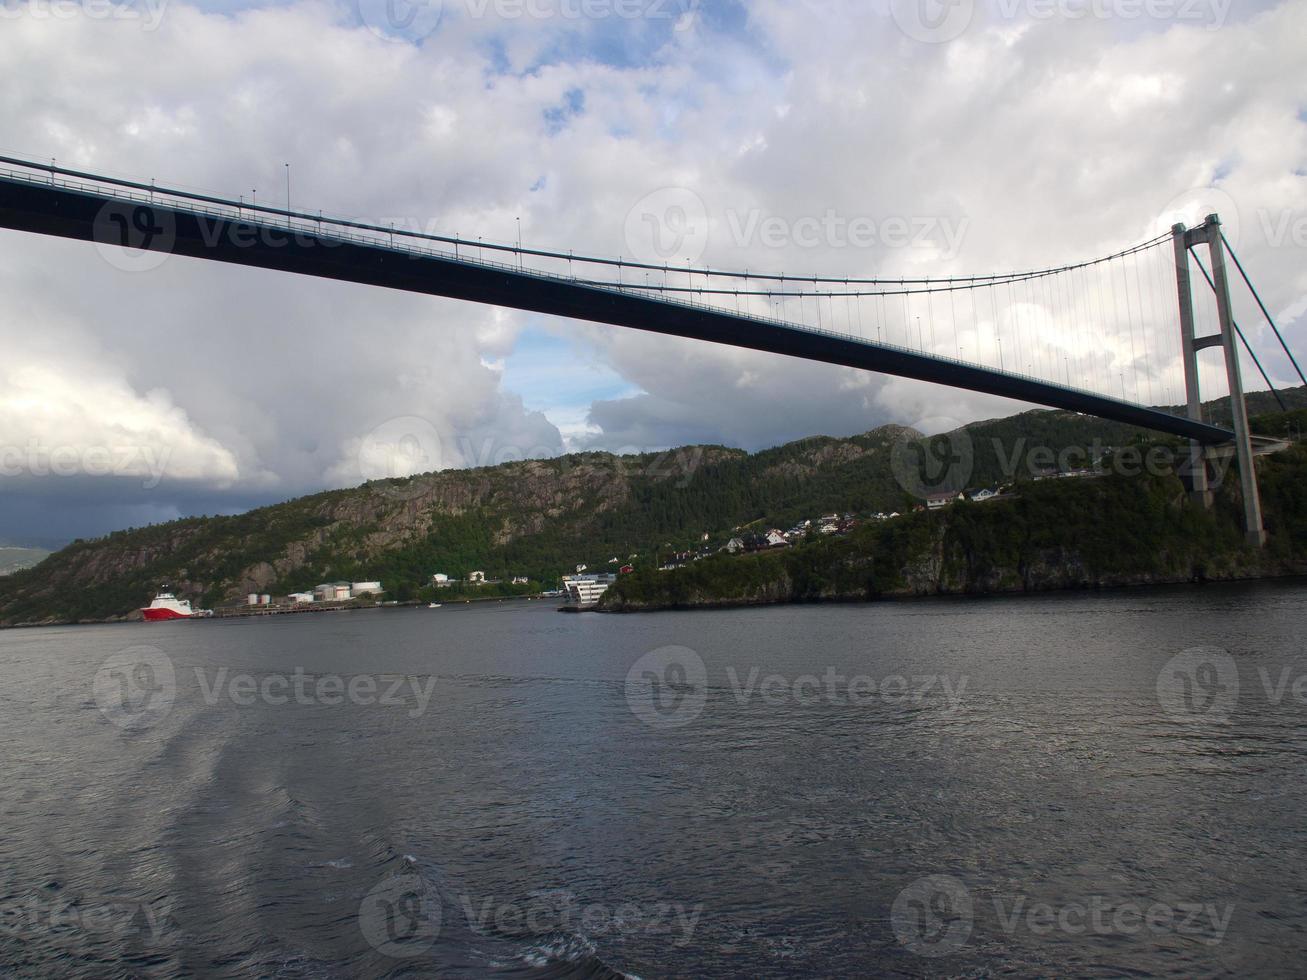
column 168, row 606
column 433, row 605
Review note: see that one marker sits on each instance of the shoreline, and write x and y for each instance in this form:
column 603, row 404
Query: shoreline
column 712, row 606
column 709, row 605
column 263, row 612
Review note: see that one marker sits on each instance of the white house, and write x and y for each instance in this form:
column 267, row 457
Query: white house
column 476, row 578
column 980, row 496
column 938, row 501
column 440, row 580
column 776, row 540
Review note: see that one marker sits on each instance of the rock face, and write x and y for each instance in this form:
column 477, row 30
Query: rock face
column 1092, row 533
column 564, row 504
column 542, row 517
column 924, row 577
column 340, row 533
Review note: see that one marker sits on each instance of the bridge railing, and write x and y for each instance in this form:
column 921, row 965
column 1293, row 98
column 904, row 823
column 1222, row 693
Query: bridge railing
column 261, row 217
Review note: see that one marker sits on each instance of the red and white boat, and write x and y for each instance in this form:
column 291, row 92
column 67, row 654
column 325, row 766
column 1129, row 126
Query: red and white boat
column 168, row 606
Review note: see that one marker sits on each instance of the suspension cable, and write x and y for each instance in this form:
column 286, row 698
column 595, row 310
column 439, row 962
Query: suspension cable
column 1265, row 312
column 517, row 250
column 1233, row 323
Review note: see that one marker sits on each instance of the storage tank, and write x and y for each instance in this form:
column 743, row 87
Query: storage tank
column 265, row 600
column 252, row 598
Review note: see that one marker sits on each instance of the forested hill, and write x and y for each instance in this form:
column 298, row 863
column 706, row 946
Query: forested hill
column 537, row 518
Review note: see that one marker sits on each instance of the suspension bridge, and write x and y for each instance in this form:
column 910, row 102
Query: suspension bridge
column 1112, row 337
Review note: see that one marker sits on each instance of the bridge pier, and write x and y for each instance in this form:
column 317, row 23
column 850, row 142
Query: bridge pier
column 1200, row 487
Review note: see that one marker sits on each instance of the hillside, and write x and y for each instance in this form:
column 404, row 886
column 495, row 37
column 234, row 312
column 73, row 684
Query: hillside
column 536, row 518
column 1109, row 531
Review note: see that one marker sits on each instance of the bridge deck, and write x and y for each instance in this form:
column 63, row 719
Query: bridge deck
column 225, row 231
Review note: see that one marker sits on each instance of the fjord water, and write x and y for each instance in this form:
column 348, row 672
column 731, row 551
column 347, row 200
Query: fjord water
column 1007, row 787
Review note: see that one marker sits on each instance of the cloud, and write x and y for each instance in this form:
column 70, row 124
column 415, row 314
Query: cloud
column 1027, row 140
column 67, row 412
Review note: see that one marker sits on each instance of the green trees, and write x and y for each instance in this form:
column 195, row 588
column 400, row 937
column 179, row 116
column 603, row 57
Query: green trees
column 1108, row 530
column 541, row 518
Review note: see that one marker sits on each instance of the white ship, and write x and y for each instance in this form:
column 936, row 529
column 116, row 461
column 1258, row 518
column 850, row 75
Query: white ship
column 583, row 591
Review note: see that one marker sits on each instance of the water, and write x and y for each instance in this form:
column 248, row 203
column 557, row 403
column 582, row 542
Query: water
column 1008, row 788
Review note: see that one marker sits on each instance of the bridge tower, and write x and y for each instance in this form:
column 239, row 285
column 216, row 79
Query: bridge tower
column 1200, row 484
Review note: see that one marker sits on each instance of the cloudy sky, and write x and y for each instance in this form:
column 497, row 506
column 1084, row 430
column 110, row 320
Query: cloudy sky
column 1030, row 132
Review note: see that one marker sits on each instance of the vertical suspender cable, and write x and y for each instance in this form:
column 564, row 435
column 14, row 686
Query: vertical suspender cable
column 1283, row 407
column 1265, row 312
